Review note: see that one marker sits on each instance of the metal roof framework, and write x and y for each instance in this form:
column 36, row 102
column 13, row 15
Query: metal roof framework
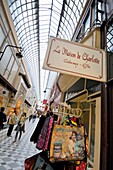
column 35, row 21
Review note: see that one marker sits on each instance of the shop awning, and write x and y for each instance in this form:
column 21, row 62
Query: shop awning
column 24, row 76
column 66, row 81
column 27, row 103
column 7, row 85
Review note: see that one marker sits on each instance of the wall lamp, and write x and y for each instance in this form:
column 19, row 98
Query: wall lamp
column 19, row 55
column 46, row 89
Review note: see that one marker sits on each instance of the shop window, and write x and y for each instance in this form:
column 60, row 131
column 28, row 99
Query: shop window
column 110, row 6
column 93, row 86
column 79, row 36
column 94, row 18
column 9, row 66
column 92, row 131
column 2, row 36
column 85, row 106
column 110, row 49
column 93, row 14
column 13, row 72
column 87, row 24
column 5, row 59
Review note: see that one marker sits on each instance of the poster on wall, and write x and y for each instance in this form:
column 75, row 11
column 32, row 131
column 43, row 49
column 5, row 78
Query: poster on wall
column 75, row 59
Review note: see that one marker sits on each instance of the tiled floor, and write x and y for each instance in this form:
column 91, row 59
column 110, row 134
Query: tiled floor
column 12, row 155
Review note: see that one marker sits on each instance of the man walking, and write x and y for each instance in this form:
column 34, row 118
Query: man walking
column 2, row 118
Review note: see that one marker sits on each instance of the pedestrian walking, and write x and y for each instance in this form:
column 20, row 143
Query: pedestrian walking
column 2, row 117
column 21, row 126
column 12, row 122
column 30, row 117
column 33, row 118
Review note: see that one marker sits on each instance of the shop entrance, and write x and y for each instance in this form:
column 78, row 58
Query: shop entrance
column 94, row 134
column 91, row 119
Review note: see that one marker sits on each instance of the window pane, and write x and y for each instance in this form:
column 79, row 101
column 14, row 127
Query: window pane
column 5, row 59
column 13, row 73
column 7, row 72
column 2, row 36
column 92, row 132
column 10, row 63
column 87, row 24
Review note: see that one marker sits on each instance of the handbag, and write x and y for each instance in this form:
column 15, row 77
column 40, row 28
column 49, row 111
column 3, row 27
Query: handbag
column 67, row 143
column 43, row 163
column 30, row 162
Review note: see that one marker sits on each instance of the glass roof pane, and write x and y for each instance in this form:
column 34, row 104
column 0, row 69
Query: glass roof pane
column 24, row 8
column 35, row 21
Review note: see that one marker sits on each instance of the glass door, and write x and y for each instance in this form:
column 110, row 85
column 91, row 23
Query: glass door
column 94, row 134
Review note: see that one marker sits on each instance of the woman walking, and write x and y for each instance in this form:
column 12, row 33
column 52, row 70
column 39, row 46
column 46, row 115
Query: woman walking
column 20, row 126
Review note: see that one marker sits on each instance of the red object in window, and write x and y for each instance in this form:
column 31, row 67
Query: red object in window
column 44, row 101
column 82, row 166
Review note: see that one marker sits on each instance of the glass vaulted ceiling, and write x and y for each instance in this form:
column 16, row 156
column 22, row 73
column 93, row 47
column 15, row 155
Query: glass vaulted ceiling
column 35, row 21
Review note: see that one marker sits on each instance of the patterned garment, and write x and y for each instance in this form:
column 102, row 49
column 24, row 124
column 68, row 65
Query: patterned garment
column 38, row 129
column 42, row 137
column 48, row 134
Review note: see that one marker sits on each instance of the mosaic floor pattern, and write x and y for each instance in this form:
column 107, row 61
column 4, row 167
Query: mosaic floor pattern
column 12, row 155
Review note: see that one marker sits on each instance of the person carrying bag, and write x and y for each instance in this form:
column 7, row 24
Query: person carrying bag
column 20, row 127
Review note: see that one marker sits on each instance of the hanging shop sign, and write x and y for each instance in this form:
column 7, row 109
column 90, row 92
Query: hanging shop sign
column 75, row 59
column 55, row 94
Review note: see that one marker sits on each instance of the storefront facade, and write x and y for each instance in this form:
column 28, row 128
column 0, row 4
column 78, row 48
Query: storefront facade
column 14, row 80
column 94, row 97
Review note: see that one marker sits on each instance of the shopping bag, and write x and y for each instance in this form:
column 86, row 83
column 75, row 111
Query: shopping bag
column 67, row 143
column 42, row 162
column 30, row 162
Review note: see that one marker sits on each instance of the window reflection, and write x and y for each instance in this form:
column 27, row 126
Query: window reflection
column 87, row 23
column 92, row 132
column 2, row 36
